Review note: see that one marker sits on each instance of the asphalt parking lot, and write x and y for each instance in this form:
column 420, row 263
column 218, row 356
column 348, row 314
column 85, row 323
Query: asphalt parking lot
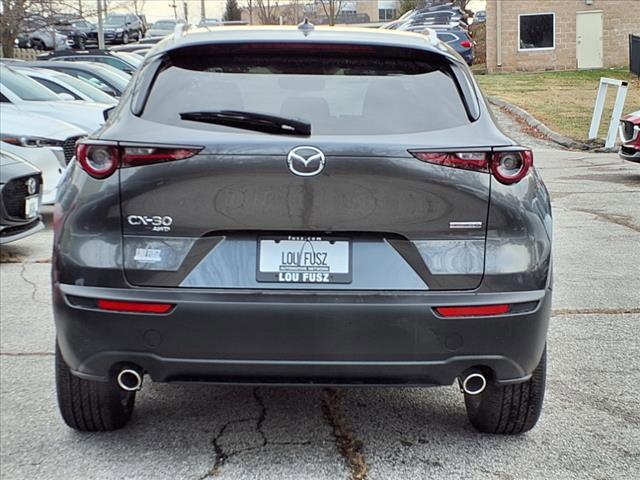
column 590, row 426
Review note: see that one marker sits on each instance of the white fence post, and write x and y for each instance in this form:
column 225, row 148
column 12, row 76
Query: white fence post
column 617, row 109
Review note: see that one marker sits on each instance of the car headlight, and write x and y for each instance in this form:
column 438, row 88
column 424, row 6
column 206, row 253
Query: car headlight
column 33, row 142
column 119, row 30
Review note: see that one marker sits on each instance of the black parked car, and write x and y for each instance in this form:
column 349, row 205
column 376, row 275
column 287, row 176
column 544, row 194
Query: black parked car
column 81, row 33
column 121, row 28
column 302, row 206
column 20, row 197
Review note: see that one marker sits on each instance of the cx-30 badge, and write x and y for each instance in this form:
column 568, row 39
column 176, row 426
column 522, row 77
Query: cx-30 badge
column 305, row 161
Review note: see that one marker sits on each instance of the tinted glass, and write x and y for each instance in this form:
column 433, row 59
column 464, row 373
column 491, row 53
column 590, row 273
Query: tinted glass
column 115, row 20
column 446, row 37
column 82, row 86
column 130, row 58
column 24, row 87
column 93, row 80
column 164, row 25
column 537, row 31
column 56, row 88
column 363, row 94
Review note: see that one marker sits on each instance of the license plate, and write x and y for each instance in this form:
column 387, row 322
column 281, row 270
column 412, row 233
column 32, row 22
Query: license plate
column 304, row 259
column 31, row 205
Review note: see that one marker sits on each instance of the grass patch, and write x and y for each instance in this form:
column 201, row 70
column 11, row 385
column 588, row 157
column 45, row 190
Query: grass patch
column 562, row 100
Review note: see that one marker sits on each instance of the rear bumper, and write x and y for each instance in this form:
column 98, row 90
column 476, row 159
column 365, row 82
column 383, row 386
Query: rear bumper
column 297, row 338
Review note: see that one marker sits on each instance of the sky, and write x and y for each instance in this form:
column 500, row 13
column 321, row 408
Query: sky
column 158, row 9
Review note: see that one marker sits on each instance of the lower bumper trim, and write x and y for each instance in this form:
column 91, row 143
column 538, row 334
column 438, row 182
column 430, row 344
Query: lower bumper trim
column 279, row 372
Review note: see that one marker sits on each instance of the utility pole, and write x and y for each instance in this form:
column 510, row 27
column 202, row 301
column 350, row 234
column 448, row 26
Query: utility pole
column 185, row 9
column 80, row 8
column 202, row 14
column 100, row 28
column 175, row 9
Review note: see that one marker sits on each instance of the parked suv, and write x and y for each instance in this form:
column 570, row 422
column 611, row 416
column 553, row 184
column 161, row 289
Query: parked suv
column 122, row 28
column 37, row 33
column 330, row 206
column 80, row 33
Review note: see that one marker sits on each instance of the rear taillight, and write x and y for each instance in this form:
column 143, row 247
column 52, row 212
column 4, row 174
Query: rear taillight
column 473, row 310
column 101, row 160
column 511, row 167
column 508, row 166
column 465, row 160
column 466, row 44
column 136, row 156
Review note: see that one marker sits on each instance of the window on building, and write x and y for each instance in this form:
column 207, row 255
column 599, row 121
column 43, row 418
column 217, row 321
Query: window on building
column 386, row 13
column 537, row 31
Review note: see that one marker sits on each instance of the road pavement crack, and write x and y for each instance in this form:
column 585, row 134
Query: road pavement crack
column 34, row 286
column 222, row 455
column 26, row 354
column 622, row 220
column 350, row 448
column 591, row 311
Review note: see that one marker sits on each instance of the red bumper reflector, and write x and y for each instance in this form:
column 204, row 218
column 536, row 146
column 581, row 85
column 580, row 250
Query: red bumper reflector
column 137, row 307
column 473, row 311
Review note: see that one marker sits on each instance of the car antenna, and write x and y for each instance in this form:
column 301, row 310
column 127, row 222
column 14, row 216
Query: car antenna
column 306, row 27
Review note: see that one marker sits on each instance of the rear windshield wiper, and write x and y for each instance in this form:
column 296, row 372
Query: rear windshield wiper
column 250, row 121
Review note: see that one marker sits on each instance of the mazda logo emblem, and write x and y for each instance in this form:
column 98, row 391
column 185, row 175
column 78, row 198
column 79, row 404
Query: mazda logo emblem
column 32, row 186
column 305, row 161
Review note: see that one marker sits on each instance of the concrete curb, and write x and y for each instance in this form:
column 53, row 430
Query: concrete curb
column 541, row 127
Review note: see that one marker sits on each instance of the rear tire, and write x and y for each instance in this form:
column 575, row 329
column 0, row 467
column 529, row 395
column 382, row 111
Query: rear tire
column 509, row 409
column 91, row 406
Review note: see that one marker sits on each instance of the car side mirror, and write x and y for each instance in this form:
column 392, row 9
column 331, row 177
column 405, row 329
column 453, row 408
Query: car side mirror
column 65, row 96
column 107, row 113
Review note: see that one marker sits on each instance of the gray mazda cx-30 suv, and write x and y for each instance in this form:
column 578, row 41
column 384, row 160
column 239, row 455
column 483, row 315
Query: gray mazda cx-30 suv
column 300, row 205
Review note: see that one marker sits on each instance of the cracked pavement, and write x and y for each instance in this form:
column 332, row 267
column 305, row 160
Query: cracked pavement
column 590, row 427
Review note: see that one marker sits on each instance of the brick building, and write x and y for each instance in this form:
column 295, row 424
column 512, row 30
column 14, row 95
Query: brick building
column 536, row 35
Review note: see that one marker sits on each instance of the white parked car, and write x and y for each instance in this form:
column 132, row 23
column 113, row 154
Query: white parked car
column 28, row 95
column 46, row 143
column 20, row 193
column 162, row 28
column 61, row 83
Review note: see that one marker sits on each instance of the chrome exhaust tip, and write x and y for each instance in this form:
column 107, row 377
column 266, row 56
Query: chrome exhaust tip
column 129, row 380
column 474, row 384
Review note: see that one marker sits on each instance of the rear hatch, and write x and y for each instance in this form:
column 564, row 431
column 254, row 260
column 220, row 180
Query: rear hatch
column 291, row 168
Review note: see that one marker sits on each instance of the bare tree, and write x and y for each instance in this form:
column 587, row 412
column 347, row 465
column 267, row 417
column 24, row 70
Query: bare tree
column 138, row 6
column 331, row 9
column 16, row 12
column 267, row 12
column 250, row 9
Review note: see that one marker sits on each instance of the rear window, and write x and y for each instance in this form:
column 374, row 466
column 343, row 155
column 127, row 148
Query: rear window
column 338, row 90
column 164, row 25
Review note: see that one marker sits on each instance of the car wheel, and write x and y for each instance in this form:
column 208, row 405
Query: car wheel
column 37, row 44
column 509, row 409
column 91, row 406
column 81, row 43
column 125, row 38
